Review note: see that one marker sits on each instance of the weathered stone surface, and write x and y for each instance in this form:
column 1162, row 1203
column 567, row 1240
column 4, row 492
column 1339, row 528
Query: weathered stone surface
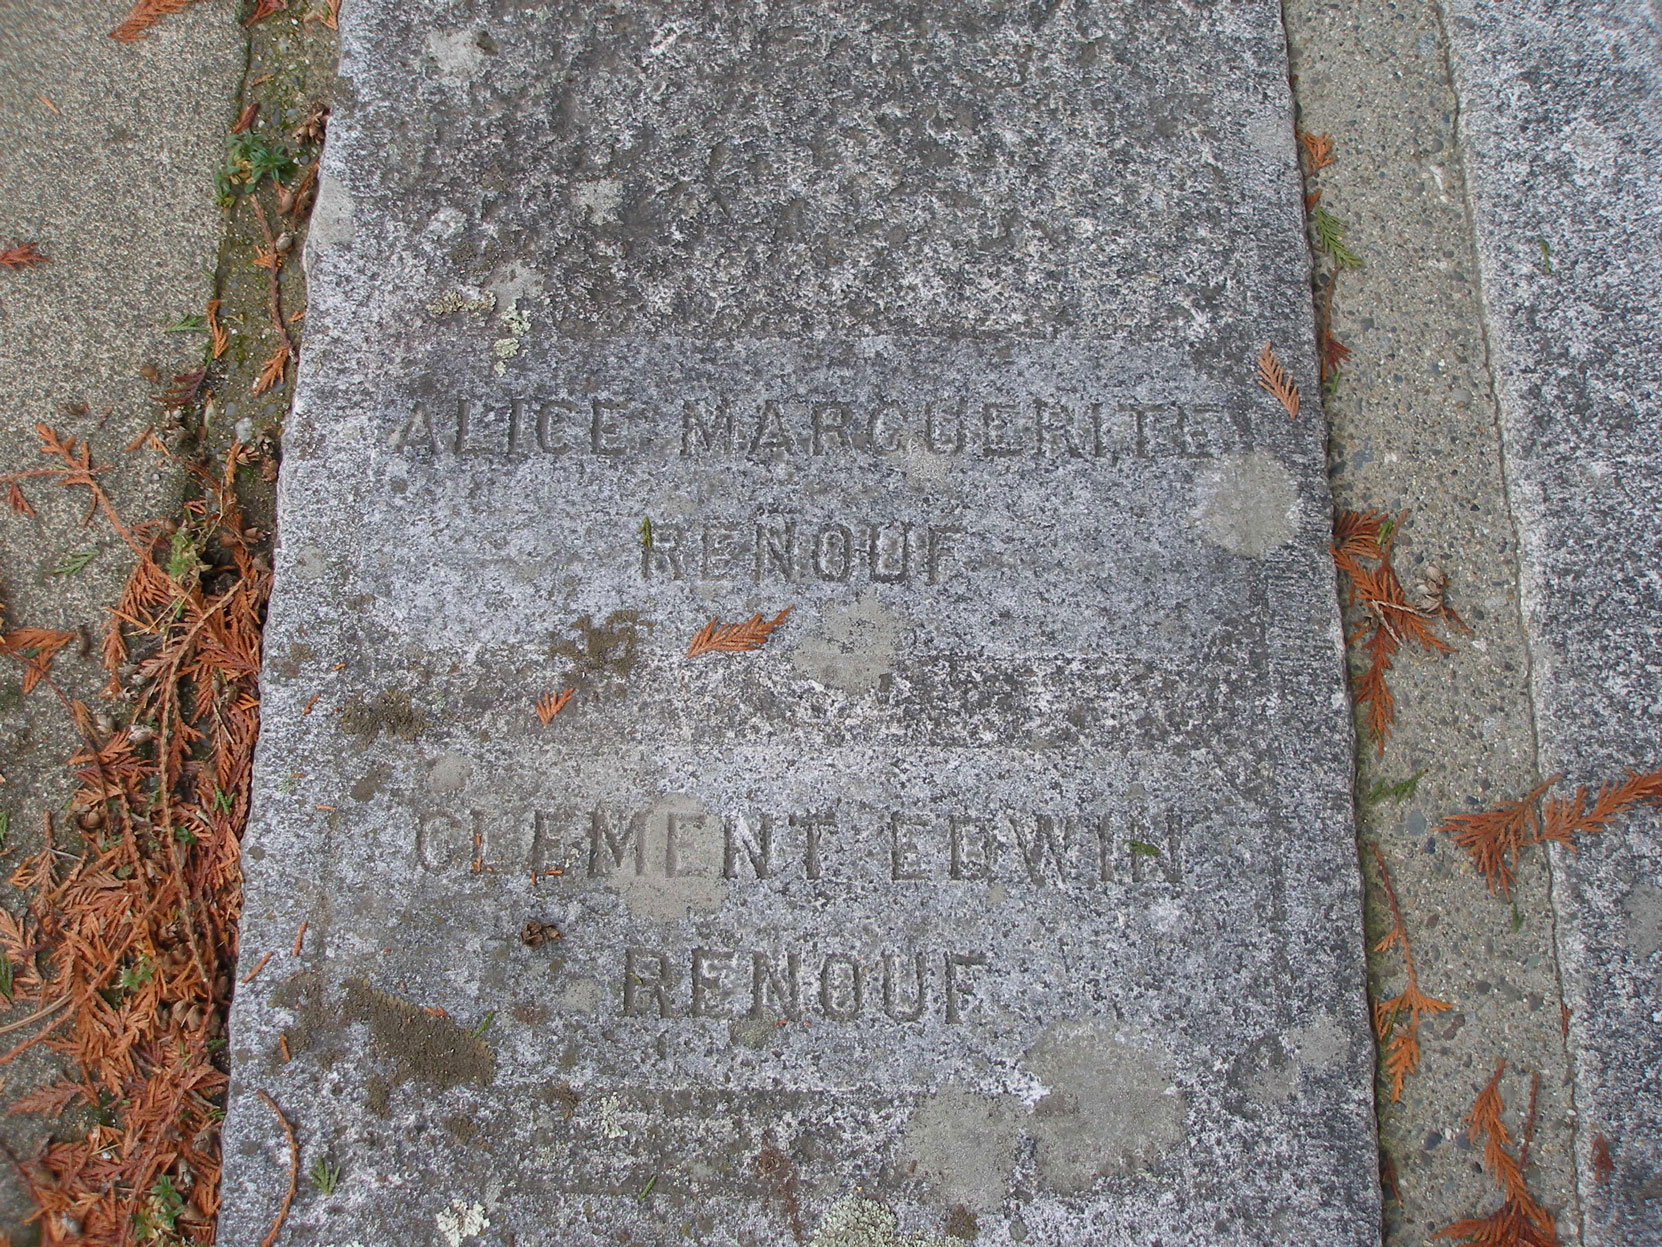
column 1009, row 890
column 1563, row 133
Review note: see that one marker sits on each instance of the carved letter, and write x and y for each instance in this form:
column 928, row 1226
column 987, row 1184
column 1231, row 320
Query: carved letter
column 1058, row 420
column 845, row 1005
column 876, row 548
column 834, row 552
column 956, row 962
column 972, row 846
column 784, row 989
column 548, row 440
column 830, row 421
column 894, row 1010
column 706, row 985
column 602, row 428
column 698, row 434
column 814, row 827
column 442, row 840
column 936, row 444
column 642, row 990
column 416, row 434
column 663, row 553
column 545, row 840
column 770, row 431
column 720, row 550
column 875, row 429
column 940, row 544
column 776, row 551
column 1166, row 862
column 903, row 850
column 1044, row 837
column 1107, row 849
column 1001, row 429
column 672, row 853
column 601, row 832
column 756, row 845
column 464, row 409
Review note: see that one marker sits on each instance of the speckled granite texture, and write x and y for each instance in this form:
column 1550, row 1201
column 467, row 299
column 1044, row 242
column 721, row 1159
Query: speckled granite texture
column 1010, row 889
column 1562, row 128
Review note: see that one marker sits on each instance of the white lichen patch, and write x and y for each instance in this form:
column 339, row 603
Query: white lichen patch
column 596, row 202
column 611, row 1114
column 457, row 54
column 855, row 1221
column 515, row 325
column 854, row 647
column 454, row 300
column 461, row 1220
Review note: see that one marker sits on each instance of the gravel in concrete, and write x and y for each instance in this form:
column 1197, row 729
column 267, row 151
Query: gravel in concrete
column 107, row 154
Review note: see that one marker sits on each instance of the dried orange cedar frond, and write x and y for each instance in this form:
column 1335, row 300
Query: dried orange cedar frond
column 78, row 469
column 50, row 1100
column 736, row 637
column 1520, row 1221
column 1273, row 377
column 1495, row 839
column 271, row 372
column 219, row 338
column 183, row 389
column 120, row 904
column 1402, row 1046
column 264, row 9
column 1484, row 1126
column 1333, row 352
column 1373, row 696
column 327, row 16
column 24, row 256
column 550, row 704
column 17, row 502
column 144, row 15
column 1604, row 1168
column 1319, row 148
column 1356, row 533
column 1389, row 620
column 34, row 648
column 1506, row 1226
column 1564, row 817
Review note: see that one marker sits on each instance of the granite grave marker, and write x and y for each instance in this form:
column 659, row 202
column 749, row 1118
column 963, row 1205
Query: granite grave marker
column 1009, row 890
column 1562, row 117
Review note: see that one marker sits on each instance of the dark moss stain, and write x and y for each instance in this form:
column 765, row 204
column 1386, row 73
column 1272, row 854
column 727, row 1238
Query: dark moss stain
column 604, row 650
column 288, row 667
column 377, row 1095
column 388, row 711
column 314, row 1023
column 561, row 1097
column 370, row 784
column 421, row 1047
column 461, row 1128
column 960, row 1223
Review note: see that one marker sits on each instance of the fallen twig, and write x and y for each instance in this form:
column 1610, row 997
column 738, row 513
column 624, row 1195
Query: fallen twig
column 294, row 1174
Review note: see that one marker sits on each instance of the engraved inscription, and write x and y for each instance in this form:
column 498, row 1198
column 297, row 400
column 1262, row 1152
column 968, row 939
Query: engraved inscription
column 797, row 984
column 776, row 548
column 1125, row 845
column 1015, row 427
